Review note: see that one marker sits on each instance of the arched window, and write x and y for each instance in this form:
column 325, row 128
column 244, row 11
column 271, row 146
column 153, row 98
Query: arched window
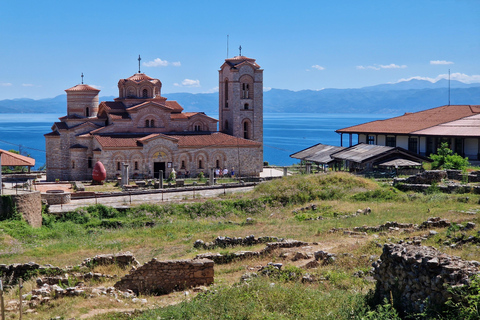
column 147, row 123
column 200, row 164
column 73, row 164
column 246, row 134
column 245, row 91
column 136, row 165
column 152, row 123
column 118, row 165
column 87, row 112
column 197, row 127
column 145, row 93
column 226, row 93
column 218, row 163
column 245, row 106
column 183, row 164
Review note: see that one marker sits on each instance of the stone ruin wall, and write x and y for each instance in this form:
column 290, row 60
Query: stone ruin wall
column 29, row 204
column 413, row 273
column 159, row 277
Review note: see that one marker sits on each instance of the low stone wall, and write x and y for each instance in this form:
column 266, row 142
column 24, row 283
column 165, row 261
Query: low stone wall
column 427, row 177
column 458, row 175
column 161, row 277
column 56, row 197
column 28, row 204
column 415, row 273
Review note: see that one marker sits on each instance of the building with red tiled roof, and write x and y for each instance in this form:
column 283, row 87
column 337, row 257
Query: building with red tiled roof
column 150, row 134
column 422, row 132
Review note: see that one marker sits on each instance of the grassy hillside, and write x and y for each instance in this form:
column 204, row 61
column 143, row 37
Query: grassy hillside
column 280, row 208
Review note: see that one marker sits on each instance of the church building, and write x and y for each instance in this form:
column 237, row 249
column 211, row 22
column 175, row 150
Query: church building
column 151, row 134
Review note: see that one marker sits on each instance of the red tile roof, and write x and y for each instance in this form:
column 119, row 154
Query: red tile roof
column 215, row 139
column 82, row 87
column 183, row 115
column 13, row 159
column 174, row 105
column 139, row 77
column 117, row 142
column 411, row 122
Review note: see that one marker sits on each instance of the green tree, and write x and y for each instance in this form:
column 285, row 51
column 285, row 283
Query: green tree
column 445, row 159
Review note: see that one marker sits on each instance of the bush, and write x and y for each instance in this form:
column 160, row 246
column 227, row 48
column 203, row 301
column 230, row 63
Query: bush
column 445, row 159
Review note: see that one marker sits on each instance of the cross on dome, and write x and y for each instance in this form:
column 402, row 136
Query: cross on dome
column 139, row 64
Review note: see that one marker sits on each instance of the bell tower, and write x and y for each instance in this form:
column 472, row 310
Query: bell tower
column 241, row 98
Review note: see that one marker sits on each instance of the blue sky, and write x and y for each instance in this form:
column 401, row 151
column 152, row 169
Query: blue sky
column 46, row 45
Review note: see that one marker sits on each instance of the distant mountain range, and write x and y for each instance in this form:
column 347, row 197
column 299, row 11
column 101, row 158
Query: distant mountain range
column 406, row 96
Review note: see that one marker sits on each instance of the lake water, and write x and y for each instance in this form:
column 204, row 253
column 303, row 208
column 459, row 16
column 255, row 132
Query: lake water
column 283, row 134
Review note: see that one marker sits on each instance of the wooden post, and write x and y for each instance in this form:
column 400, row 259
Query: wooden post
column 20, row 286
column 2, row 306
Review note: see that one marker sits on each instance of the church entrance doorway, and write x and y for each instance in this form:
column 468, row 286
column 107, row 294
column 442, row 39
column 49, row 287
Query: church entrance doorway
column 157, row 167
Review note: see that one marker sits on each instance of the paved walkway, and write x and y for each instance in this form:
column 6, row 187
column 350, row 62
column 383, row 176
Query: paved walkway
column 128, row 200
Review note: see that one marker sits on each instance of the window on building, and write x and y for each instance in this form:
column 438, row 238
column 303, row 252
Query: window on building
column 370, row 139
column 89, row 162
column 459, row 146
column 73, row 164
column 200, row 166
column 183, row 164
column 118, row 165
column 87, row 112
column 245, row 90
column 226, row 93
column 218, row 164
column 152, row 123
column 136, row 165
column 413, row 145
column 145, row 93
column 246, row 134
column 391, row 142
column 429, row 146
column 245, row 106
column 197, row 127
column 226, row 124
column 147, row 123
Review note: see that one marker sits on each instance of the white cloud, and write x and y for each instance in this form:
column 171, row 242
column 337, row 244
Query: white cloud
column 27, row 85
column 176, row 64
column 382, row 66
column 462, row 77
column 316, row 66
column 157, row 62
column 440, row 62
column 188, row 83
column 5, row 84
column 266, row 89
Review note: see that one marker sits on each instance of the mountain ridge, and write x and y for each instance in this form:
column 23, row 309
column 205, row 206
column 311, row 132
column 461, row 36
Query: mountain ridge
column 406, row 96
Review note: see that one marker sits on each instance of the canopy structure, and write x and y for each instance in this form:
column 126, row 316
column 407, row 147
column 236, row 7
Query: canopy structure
column 397, row 163
column 13, row 159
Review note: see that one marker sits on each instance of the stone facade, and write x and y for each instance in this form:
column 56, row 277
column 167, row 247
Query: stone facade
column 150, row 134
column 160, row 277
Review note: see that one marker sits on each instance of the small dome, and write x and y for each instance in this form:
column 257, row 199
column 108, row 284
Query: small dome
column 82, row 87
column 139, row 77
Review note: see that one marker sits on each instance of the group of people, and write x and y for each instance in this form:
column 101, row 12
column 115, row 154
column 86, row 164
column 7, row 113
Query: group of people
column 223, row 172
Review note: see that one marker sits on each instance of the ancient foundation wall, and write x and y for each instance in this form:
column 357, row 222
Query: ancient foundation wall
column 29, row 204
column 160, row 277
column 414, row 273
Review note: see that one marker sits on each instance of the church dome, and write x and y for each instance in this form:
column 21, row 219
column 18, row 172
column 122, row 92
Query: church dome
column 82, row 87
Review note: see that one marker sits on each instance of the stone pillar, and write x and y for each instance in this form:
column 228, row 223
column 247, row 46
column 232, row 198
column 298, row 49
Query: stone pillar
column 212, row 176
column 308, row 168
column 285, row 171
column 125, row 174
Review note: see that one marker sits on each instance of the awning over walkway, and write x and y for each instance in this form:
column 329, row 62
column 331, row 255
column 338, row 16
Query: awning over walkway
column 399, row 163
column 13, row 159
column 319, row 153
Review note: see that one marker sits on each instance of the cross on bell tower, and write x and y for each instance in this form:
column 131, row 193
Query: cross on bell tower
column 139, row 64
column 82, row 77
column 240, row 49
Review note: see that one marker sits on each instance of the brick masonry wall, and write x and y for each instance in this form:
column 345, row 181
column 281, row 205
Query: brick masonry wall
column 161, row 277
